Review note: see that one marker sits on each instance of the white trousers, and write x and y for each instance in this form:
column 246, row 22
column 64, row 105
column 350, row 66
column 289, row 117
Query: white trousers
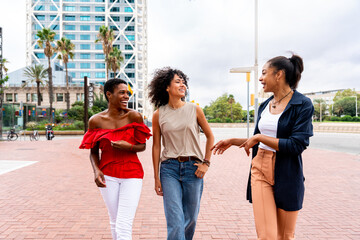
column 121, row 197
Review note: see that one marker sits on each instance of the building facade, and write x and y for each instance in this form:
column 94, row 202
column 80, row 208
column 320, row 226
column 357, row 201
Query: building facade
column 79, row 21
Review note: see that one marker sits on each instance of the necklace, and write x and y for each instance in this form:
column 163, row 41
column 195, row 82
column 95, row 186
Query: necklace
column 274, row 102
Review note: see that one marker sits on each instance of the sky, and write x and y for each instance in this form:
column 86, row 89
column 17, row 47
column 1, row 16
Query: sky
column 206, row 38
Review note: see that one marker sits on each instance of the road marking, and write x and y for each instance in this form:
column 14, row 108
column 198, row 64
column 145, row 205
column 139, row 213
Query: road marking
column 11, row 165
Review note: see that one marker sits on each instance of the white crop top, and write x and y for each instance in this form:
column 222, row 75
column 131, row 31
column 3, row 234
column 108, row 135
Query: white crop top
column 268, row 125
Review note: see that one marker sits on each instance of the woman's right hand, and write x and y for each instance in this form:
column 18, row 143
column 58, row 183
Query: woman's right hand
column 158, row 188
column 100, row 179
column 221, row 146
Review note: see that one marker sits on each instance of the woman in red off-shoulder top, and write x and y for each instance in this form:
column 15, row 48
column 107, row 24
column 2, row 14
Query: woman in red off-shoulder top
column 119, row 133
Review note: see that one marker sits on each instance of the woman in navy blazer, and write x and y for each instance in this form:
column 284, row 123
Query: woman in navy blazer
column 282, row 132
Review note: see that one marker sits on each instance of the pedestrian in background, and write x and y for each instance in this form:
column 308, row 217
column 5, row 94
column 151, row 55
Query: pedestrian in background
column 120, row 133
column 282, row 132
column 182, row 164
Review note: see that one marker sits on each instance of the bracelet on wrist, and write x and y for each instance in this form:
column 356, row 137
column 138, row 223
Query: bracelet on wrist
column 206, row 162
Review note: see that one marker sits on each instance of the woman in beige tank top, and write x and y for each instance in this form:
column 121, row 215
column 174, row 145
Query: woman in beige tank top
column 180, row 168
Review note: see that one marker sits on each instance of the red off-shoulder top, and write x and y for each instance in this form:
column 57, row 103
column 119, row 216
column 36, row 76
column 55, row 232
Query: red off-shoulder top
column 115, row 162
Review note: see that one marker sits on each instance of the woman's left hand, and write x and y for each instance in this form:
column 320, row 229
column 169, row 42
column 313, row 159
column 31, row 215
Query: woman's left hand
column 123, row 145
column 250, row 143
column 201, row 170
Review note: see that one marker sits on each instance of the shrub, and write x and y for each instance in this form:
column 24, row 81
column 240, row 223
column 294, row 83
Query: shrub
column 31, row 125
column 346, row 118
column 334, row 118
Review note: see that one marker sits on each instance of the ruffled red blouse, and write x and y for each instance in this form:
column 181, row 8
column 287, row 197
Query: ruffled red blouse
column 115, row 162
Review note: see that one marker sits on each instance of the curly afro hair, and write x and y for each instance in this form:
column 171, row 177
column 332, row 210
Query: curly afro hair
column 161, row 80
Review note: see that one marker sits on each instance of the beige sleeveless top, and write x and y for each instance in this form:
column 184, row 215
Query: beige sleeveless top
column 180, row 132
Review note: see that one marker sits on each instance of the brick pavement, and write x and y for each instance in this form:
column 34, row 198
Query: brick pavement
column 56, row 198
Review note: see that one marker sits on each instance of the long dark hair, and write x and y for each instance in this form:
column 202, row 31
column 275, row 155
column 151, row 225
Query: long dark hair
column 293, row 67
column 161, row 80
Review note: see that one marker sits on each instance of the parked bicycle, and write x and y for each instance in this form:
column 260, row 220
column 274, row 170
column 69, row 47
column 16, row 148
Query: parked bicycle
column 35, row 136
column 12, row 135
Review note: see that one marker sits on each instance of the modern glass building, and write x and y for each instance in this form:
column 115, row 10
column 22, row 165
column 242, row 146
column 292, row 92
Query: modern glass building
column 80, row 20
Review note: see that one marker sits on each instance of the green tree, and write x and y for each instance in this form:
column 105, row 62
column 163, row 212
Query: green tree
column 344, row 102
column 223, row 108
column 37, row 74
column 115, row 59
column 46, row 37
column 65, row 49
column 106, row 36
column 3, row 80
column 317, row 103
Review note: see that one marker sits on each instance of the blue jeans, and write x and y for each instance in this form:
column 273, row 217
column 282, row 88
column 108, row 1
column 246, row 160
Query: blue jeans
column 182, row 193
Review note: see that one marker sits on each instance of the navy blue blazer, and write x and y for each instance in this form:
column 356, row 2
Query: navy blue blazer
column 294, row 130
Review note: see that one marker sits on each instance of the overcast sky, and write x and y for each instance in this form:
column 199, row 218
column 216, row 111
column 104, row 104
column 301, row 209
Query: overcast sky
column 205, row 38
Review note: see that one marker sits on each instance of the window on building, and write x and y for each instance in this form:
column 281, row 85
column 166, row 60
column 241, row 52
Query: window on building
column 15, row 97
column 84, row 9
column 69, row 8
column 99, row 56
column 128, row 9
column 84, row 37
column 99, row 9
column 128, row 47
column 131, row 1
column 100, row 75
column 84, row 0
column 116, row 18
column 99, row 0
column 28, row 99
column 84, row 18
column 40, row 55
column 130, row 65
column 99, row 18
column 40, row 17
column 84, row 55
column 70, row 36
column 70, row 27
column 130, row 75
column 98, row 47
column 130, row 37
column 34, row 97
column 84, row 65
column 69, row 18
column 37, row 27
column 85, row 74
column 56, row 37
column 79, row 97
column 100, row 65
column 52, row 17
column 115, row 9
column 97, row 27
column 9, row 97
column 55, row 27
column 128, row 56
column 116, row 46
column 85, row 27
column 59, row 97
column 127, row 19
column 39, row 8
column 85, row 46
column 72, row 74
column 114, row 28
column 130, row 28
column 53, row 8
column 71, row 65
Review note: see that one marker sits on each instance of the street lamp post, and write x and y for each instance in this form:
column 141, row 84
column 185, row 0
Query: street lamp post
column 356, row 112
column 246, row 70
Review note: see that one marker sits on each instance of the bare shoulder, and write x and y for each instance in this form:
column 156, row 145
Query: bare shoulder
column 95, row 120
column 135, row 116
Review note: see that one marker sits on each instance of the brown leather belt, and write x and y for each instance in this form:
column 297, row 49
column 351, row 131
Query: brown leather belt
column 186, row 158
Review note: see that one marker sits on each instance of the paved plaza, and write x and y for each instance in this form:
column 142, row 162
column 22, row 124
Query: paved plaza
column 53, row 196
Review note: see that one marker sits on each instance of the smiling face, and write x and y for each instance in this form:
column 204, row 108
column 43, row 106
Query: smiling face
column 177, row 87
column 269, row 78
column 120, row 97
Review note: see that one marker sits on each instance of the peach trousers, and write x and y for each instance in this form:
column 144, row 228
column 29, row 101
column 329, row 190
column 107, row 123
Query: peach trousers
column 271, row 223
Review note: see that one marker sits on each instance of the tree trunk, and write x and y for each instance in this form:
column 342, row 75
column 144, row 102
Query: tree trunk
column 38, row 93
column 67, row 92
column 51, row 97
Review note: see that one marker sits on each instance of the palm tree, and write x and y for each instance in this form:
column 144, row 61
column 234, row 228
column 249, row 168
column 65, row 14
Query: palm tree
column 46, row 36
column 37, row 74
column 115, row 59
column 65, row 49
column 106, row 36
